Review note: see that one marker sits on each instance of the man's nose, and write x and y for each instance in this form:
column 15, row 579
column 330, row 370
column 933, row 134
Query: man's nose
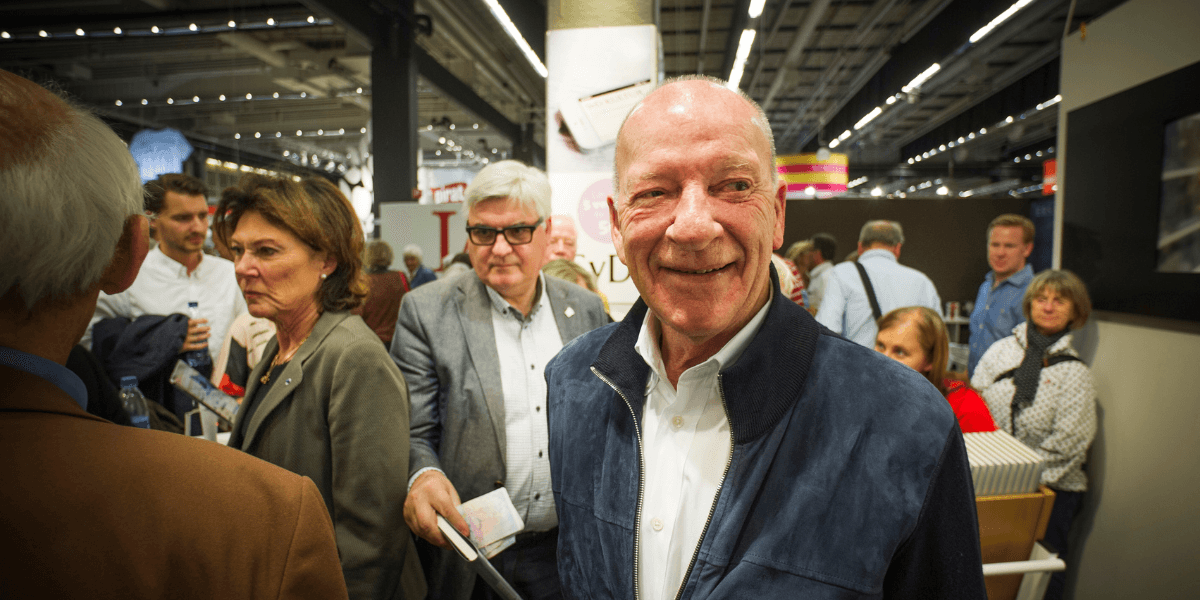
column 693, row 226
column 501, row 247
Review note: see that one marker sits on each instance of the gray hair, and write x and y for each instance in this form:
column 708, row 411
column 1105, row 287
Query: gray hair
column 414, row 251
column 759, row 119
column 65, row 198
column 888, row 233
column 521, row 183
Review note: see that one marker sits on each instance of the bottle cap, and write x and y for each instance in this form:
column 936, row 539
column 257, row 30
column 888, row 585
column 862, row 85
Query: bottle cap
column 129, row 381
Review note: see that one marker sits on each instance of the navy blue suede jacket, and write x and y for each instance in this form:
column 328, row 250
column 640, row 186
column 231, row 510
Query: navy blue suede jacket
column 848, row 476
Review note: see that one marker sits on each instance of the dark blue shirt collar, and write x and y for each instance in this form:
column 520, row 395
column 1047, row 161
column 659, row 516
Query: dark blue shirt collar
column 47, row 369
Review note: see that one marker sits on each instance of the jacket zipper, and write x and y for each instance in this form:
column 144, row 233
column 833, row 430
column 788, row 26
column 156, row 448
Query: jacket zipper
column 637, row 519
column 716, row 497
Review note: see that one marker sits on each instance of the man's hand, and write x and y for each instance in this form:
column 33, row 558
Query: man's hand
column 431, row 495
column 197, row 336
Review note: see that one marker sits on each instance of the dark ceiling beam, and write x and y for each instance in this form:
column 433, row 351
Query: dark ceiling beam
column 17, row 21
column 530, row 18
column 358, row 17
column 741, row 16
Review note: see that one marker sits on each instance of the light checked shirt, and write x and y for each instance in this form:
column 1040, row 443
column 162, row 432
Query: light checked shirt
column 996, row 312
column 163, row 287
column 846, row 309
column 524, row 345
column 686, row 446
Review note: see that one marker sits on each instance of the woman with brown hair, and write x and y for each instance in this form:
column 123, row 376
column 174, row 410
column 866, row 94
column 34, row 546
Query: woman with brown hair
column 1040, row 391
column 916, row 336
column 326, row 401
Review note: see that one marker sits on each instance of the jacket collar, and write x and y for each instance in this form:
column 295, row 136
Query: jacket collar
column 291, row 377
column 758, row 389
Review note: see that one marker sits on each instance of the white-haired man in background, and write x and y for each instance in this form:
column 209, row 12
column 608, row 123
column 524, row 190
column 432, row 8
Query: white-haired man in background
column 90, row 508
column 418, row 274
column 473, row 348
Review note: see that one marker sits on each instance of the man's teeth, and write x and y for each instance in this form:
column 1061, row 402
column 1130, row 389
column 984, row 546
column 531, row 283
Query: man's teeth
column 703, row 272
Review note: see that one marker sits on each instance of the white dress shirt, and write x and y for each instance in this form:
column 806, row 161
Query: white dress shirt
column 524, row 345
column 686, row 446
column 164, row 287
column 846, row 309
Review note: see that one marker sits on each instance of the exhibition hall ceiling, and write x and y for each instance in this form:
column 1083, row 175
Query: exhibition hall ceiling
column 265, row 77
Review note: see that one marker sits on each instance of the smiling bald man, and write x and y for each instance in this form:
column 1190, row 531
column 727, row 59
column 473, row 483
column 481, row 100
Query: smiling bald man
column 736, row 446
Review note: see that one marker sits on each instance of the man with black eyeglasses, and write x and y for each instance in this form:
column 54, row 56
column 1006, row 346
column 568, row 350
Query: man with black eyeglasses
column 473, row 348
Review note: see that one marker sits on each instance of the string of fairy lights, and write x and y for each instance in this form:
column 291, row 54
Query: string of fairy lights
column 191, row 28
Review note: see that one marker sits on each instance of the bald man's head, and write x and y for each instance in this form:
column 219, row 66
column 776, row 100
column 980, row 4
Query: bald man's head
column 698, row 97
column 67, row 186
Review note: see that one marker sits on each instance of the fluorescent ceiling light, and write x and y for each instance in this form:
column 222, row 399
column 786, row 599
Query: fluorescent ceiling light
column 845, row 134
column 756, row 8
column 739, row 61
column 868, row 118
column 834, row 144
column 917, row 81
column 1002, row 17
column 502, row 17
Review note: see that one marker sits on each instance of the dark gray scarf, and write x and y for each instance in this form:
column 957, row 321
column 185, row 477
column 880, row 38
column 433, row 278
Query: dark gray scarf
column 1029, row 372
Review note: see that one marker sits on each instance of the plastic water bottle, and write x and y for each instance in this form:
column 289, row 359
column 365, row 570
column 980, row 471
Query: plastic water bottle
column 134, row 402
column 199, row 360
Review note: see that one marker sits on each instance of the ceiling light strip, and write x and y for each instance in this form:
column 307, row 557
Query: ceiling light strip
column 515, row 34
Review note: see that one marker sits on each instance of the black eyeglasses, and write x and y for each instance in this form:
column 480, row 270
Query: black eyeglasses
column 515, row 235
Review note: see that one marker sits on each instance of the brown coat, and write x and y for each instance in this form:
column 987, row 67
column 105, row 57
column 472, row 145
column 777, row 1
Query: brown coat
column 89, row 509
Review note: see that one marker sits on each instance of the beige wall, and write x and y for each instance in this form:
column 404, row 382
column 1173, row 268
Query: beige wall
column 1140, row 533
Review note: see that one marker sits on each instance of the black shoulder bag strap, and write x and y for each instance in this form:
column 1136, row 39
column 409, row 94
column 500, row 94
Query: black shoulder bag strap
column 870, row 291
column 1046, row 362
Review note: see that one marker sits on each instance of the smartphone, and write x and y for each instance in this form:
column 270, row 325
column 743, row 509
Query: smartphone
column 594, row 120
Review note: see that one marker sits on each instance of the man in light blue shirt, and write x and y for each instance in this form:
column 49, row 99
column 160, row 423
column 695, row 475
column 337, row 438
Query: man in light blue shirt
column 846, row 308
column 998, row 303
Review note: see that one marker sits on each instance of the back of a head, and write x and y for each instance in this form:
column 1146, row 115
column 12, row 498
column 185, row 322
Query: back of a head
column 514, row 180
column 379, row 255
column 884, row 233
column 569, row 270
column 797, row 250
column 67, row 186
column 826, row 244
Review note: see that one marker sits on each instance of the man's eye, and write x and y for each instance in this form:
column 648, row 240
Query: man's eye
column 737, row 186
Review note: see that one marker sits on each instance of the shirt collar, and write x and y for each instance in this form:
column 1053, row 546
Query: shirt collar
column 64, row 378
column 648, row 344
column 878, row 253
column 1020, row 278
column 174, row 266
column 502, row 306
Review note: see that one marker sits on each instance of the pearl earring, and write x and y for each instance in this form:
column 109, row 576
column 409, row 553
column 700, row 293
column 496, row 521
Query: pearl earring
column 323, row 276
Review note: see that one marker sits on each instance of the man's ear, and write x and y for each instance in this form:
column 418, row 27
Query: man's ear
column 780, row 214
column 618, row 242
column 127, row 259
column 896, row 250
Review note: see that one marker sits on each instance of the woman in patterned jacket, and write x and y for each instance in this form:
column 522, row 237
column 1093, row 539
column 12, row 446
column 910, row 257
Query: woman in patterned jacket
column 1038, row 389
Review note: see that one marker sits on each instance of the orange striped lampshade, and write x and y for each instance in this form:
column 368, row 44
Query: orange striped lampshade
column 828, row 177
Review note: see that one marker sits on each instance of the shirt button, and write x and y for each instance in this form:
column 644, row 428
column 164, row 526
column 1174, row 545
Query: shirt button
column 656, row 523
column 677, row 422
column 537, row 496
column 539, row 453
column 531, row 367
column 537, row 408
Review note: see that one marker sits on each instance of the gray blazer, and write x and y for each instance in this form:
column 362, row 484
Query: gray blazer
column 337, row 414
column 446, row 348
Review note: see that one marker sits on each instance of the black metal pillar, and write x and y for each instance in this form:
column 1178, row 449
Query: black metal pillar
column 394, row 109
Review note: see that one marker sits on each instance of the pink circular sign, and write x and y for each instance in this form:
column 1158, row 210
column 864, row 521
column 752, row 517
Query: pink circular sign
column 593, row 211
